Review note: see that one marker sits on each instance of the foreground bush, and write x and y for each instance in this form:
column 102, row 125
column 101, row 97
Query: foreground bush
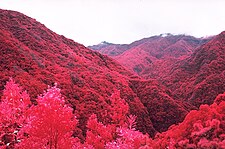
column 204, row 129
column 50, row 125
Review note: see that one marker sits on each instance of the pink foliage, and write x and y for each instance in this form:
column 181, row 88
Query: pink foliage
column 129, row 138
column 98, row 134
column 50, row 123
column 13, row 112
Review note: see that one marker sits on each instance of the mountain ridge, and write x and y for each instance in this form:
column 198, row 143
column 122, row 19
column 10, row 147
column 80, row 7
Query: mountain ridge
column 141, row 56
column 100, row 48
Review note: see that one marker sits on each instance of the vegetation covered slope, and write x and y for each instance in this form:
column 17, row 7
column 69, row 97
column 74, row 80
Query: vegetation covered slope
column 37, row 57
column 200, row 77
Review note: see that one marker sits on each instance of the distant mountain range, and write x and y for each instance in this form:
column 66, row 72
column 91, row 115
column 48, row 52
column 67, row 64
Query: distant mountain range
column 143, row 55
column 192, row 68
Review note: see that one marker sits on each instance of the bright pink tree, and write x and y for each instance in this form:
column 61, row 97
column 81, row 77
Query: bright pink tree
column 120, row 133
column 50, row 123
column 98, row 134
column 13, row 106
column 129, row 138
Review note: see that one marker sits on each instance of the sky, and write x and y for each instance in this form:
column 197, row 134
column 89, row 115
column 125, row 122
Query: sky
column 90, row 22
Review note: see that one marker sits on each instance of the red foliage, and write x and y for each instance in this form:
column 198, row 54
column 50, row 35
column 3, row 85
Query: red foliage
column 200, row 78
column 118, row 110
column 30, row 51
column 190, row 67
column 200, row 129
column 162, row 108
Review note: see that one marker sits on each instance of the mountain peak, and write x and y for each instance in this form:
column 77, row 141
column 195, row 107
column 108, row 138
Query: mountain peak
column 165, row 34
column 105, row 43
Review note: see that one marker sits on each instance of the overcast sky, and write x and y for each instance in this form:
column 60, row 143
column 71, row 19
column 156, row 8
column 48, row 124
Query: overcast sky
column 123, row 21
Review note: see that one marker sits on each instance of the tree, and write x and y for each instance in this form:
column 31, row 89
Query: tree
column 50, row 123
column 14, row 104
column 129, row 138
column 120, row 132
column 98, row 133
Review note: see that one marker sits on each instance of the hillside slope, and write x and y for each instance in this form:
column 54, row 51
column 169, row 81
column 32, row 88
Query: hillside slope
column 200, row 77
column 37, row 57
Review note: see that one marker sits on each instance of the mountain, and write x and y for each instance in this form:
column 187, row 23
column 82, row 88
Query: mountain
column 192, row 68
column 200, row 77
column 36, row 57
column 146, row 57
column 161, row 79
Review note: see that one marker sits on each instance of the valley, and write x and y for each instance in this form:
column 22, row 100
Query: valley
column 165, row 81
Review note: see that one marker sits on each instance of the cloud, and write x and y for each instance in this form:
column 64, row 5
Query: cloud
column 123, row 21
